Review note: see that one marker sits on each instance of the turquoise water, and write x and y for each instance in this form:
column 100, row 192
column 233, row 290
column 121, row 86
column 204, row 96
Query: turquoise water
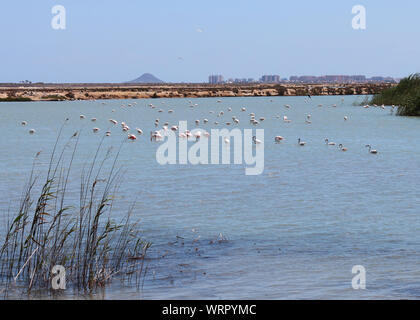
column 293, row 232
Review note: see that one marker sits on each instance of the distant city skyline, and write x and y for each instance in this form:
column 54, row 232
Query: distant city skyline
column 217, row 79
column 186, row 41
column 220, row 79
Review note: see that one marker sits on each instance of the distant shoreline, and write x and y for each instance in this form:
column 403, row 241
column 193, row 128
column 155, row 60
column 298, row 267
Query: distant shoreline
column 103, row 91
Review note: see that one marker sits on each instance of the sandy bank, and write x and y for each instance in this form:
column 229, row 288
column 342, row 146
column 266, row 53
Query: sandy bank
column 57, row 92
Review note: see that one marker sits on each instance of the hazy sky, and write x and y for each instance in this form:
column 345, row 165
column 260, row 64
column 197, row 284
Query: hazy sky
column 115, row 41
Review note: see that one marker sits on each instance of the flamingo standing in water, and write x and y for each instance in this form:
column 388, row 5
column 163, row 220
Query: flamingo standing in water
column 255, row 140
column 197, row 135
column 132, row 137
column 372, row 151
column 301, row 143
column 155, row 136
column 329, row 143
column 342, row 148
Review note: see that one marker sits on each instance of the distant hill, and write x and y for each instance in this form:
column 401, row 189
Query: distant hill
column 146, row 78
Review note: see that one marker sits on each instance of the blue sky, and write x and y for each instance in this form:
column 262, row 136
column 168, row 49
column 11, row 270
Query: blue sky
column 115, row 41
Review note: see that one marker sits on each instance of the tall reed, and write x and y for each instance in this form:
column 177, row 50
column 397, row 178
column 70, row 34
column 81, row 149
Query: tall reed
column 83, row 237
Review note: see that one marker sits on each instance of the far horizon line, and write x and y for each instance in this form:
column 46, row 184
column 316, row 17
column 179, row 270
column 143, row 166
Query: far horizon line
column 315, row 79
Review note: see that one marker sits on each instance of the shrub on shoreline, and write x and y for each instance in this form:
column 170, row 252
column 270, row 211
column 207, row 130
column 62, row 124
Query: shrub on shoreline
column 406, row 95
column 15, row 99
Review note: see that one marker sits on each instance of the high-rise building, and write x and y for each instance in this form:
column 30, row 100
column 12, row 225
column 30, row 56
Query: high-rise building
column 270, row 78
column 215, row 79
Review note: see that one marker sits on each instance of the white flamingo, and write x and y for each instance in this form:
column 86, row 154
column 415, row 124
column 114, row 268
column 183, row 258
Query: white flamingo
column 197, row 135
column 301, row 143
column 372, row 151
column 342, row 148
column 329, row 143
column 255, row 140
column 155, row 136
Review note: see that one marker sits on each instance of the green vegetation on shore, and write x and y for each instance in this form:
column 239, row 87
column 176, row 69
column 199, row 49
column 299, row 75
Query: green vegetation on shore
column 49, row 229
column 15, row 99
column 406, row 96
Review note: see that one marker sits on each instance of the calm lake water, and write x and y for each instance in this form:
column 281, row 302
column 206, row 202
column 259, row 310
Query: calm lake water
column 294, row 232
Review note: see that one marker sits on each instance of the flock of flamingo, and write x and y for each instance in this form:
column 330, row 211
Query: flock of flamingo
column 158, row 135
